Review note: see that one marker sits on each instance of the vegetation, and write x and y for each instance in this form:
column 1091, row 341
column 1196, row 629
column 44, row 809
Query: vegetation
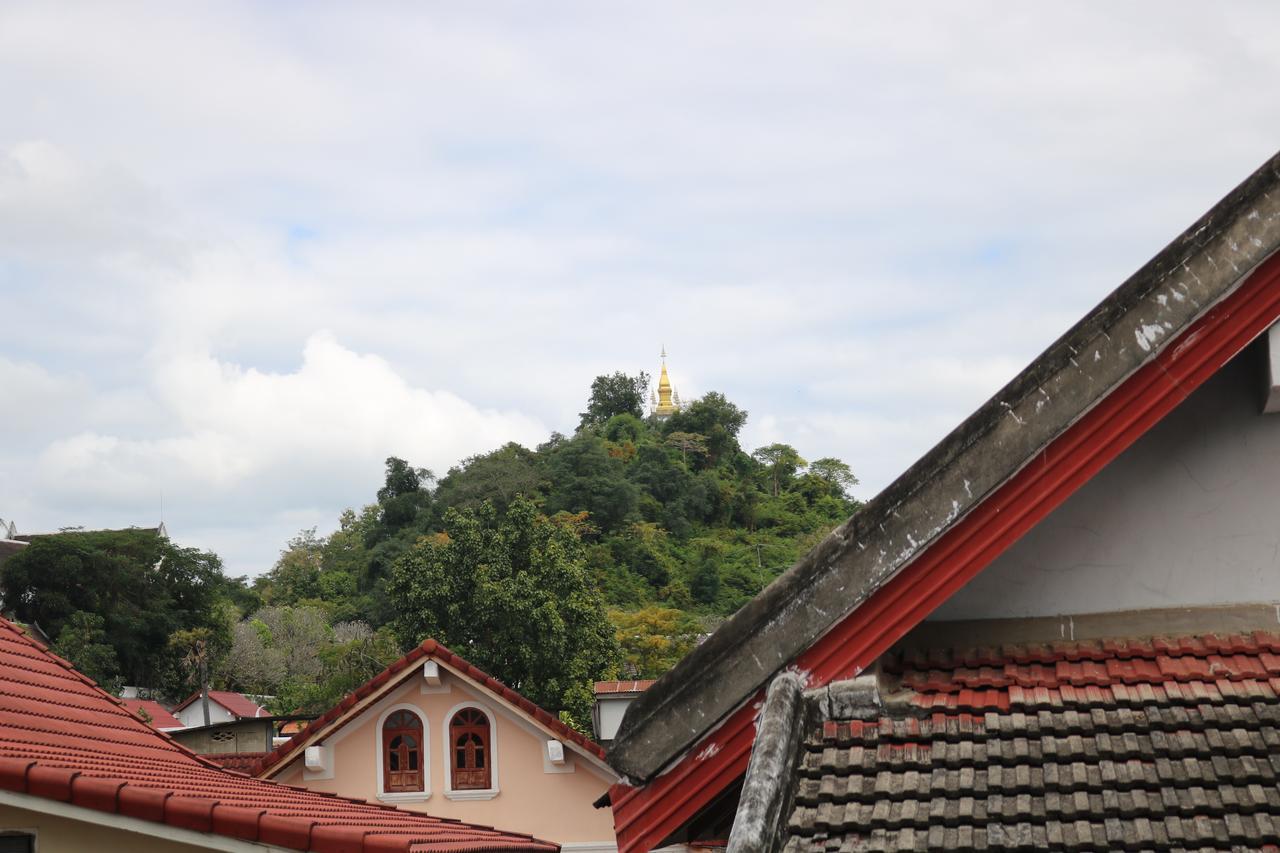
column 606, row 553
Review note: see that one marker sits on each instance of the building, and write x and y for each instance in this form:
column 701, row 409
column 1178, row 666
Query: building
column 80, row 772
column 667, row 401
column 433, row 732
column 612, row 700
column 1057, row 629
column 224, row 707
column 152, row 713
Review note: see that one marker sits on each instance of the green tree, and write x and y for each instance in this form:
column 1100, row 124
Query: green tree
column 713, row 416
column 653, row 639
column 499, row 477
column 586, row 478
column 615, row 394
column 834, row 472
column 83, row 641
column 510, row 593
column 688, row 442
column 781, row 461
column 143, row 587
column 404, row 495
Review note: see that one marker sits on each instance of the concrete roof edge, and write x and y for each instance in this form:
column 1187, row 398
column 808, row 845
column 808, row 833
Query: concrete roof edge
column 1121, row 334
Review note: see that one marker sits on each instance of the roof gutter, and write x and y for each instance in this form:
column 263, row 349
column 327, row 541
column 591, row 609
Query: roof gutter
column 110, row 820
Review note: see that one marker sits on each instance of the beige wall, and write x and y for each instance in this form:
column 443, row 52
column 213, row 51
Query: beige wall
column 65, row 835
column 555, row 806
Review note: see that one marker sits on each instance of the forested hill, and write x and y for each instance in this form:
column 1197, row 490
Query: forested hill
column 605, row 553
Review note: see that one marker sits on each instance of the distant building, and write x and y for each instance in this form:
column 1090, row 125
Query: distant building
column 667, row 401
column 612, row 700
column 224, row 707
column 153, row 714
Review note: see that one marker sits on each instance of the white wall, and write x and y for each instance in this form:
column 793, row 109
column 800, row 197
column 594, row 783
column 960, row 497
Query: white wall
column 193, row 714
column 611, row 710
column 1189, row 515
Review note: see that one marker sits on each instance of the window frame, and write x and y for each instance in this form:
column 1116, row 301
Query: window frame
column 380, row 757
column 492, row 757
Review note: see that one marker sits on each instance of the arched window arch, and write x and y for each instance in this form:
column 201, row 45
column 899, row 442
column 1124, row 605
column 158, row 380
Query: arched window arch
column 402, row 753
column 470, row 750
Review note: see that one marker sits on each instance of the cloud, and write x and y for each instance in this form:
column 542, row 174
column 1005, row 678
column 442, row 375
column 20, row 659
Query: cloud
column 248, row 251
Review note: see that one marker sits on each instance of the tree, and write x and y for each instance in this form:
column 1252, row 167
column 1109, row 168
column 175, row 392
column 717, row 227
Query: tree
column 143, row 587
column 781, row 460
column 687, row 442
column 586, row 478
column 654, row 639
column 83, row 641
column 835, row 472
column 510, row 593
column 713, row 416
column 498, row 477
column 404, row 493
column 296, row 575
column 616, row 394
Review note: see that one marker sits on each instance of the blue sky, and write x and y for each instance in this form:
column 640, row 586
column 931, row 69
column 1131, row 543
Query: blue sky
column 249, row 250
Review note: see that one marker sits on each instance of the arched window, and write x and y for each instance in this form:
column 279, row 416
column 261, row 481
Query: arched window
column 402, row 752
column 471, row 757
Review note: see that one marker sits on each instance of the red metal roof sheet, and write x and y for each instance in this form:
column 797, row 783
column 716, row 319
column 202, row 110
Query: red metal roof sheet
column 63, row 738
column 157, row 715
column 238, row 704
column 603, row 688
column 336, row 716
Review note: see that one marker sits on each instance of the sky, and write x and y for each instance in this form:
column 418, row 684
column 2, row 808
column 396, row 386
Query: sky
column 248, row 251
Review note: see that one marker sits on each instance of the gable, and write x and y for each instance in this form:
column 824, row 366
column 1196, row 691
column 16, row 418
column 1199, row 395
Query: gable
column 1185, row 517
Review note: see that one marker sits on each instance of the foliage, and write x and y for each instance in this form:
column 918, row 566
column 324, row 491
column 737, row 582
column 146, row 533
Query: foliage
column 83, row 641
column 143, row 588
column 616, row 394
column 510, row 593
column 653, row 639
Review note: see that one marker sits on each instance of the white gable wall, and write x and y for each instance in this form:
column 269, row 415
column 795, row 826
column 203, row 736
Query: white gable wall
column 1189, row 515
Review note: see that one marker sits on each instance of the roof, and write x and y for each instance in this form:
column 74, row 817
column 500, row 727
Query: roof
column 1094, row 391
column 157, row 715
column 1125, row 744
column 242, row 762
column 604, row 688
column 238, row 704
column 64, row 739
column 354, row 703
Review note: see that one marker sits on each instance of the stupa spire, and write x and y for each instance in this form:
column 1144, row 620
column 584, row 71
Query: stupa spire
column 668, row 402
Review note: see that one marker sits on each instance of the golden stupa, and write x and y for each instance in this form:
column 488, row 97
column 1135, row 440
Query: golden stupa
column 667, row 402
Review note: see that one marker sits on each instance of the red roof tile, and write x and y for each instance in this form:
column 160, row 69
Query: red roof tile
column 239, row 705
column 334, row 718
column 157, row 715
column 604, row 688
column 241, row 762
column 63, row 738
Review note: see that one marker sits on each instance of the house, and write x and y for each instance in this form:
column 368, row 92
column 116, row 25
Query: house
column 153, row 713
column 432, row 732
column 612, row 700
column 1057, row 629
column 79, row 771
column 224, row 707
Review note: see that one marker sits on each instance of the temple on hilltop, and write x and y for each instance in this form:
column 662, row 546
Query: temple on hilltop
column 667, row 401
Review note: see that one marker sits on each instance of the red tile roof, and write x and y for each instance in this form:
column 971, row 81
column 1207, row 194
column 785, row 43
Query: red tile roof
column 242, row 762
column 238, row 704
column 157, row 715
column 336, row 717
column 1150, row 744
column 604, row 688
column 63, row 738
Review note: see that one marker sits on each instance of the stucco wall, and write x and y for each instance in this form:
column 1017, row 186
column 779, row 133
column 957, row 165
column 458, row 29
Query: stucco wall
column 193, row 714
column 63, row 835
column 555, row 805
column 1188, row 515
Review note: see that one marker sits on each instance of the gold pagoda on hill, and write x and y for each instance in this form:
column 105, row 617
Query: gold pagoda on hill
column 667, row 401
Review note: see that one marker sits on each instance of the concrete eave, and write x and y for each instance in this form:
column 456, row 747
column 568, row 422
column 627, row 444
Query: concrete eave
column 1122, row 334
